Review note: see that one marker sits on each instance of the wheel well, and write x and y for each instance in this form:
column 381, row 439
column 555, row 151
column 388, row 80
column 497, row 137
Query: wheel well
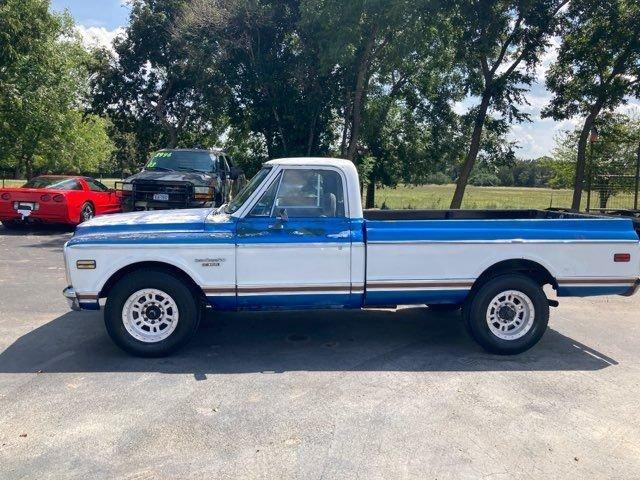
column 157, row 266
column 526, row 267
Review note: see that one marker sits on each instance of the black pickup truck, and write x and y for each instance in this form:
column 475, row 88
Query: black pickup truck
column 181, row 178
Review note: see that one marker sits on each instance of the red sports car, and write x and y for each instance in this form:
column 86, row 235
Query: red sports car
column 56, row 199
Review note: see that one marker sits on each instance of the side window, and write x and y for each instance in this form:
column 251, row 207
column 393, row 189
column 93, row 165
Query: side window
column 264, row 207
column 95, row 185
column 310, row 193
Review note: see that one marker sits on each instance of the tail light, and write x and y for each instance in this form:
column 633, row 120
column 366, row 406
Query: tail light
column 622, row 257
column 58, row 198
column 46, row 197
column 5, row 196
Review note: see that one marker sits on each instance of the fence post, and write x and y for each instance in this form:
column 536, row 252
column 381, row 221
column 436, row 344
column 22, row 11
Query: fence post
column 637, row 180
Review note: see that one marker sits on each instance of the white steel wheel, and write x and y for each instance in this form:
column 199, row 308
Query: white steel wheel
column 510, row 315
column 150, row 315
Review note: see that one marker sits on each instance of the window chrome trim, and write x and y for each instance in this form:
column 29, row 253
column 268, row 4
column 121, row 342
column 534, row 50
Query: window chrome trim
column 243, row 212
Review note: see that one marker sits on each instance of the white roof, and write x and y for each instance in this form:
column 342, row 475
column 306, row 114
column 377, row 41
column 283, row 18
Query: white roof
column 334, row 162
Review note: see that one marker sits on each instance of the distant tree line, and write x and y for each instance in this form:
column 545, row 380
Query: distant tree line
column 373, row 81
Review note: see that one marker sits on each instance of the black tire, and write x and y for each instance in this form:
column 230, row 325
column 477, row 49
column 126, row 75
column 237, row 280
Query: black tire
column 479, row 304
column 444, row 307
column 87, row 212
column 185, row 299
column 12, row 224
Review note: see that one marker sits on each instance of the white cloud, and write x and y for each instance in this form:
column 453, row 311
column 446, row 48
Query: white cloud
column 98, row 36
column 549, row 56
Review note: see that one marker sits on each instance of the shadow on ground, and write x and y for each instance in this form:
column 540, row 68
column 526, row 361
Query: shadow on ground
column 40, row 230
column 382, row 340
column 58, row 235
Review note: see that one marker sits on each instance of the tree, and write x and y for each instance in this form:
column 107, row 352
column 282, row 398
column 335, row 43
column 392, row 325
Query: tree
column 614, row 157
column 598, row 67
column 160, row 84
column 43, row 81
column 364, row 40
column 499, row 44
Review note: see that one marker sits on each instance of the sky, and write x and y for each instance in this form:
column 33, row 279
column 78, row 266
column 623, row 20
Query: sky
column 99, row 21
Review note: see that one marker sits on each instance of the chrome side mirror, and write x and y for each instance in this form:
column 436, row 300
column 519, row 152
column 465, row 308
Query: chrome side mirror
column 281, row 218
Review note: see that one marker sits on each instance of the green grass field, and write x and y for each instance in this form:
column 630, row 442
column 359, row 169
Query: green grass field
column 438, row 197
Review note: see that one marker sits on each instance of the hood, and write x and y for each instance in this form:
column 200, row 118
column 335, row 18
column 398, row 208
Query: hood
column 195, row 225
column 198, row 179
column 159, row 220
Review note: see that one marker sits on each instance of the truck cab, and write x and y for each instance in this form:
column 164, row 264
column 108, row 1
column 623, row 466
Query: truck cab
column 296, row 238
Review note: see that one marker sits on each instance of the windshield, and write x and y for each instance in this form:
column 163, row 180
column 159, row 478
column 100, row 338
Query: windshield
column 53, row 183
column 248, row 189
column 185, row 160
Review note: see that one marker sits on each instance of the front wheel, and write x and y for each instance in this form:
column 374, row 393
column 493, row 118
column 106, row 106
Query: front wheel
column 150, row 313
column 508, row 314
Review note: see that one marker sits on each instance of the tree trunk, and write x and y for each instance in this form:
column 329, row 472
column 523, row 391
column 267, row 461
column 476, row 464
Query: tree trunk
column 605, row 194
column 362, row 79
column 347, row 123
column 173, row 136
column 472, row 155
column 581, row 163
column 312, row 133
column 28, row 165
column 371, row 194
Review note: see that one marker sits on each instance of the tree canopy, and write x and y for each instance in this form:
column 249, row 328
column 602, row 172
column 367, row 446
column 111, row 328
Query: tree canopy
column 43, row 82
column 597, row 69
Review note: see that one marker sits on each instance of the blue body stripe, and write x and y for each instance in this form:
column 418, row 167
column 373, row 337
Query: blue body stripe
column 592, row 291
column 338, row 230
column 413, row 297
column 465, row 230
column 283, row 302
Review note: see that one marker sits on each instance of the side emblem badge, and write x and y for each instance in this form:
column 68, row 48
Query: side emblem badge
column 210, row 262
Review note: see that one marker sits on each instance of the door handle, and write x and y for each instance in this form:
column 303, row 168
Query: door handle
column 278, row 225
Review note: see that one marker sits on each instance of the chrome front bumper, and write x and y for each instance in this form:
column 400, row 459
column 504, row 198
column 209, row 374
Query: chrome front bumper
column 70, row 294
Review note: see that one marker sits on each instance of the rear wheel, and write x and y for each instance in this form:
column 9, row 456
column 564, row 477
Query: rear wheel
column 12, row 224
column 508, row 314
column 150, row 313
column 87, row 212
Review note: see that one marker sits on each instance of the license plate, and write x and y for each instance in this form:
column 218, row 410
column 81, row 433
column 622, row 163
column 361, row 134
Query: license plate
column 163, row 197
column 25, row 209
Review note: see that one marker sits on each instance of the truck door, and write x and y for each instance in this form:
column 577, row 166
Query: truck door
column 294, row 245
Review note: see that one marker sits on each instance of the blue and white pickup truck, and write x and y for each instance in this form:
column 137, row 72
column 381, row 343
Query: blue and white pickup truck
column 296, row 237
